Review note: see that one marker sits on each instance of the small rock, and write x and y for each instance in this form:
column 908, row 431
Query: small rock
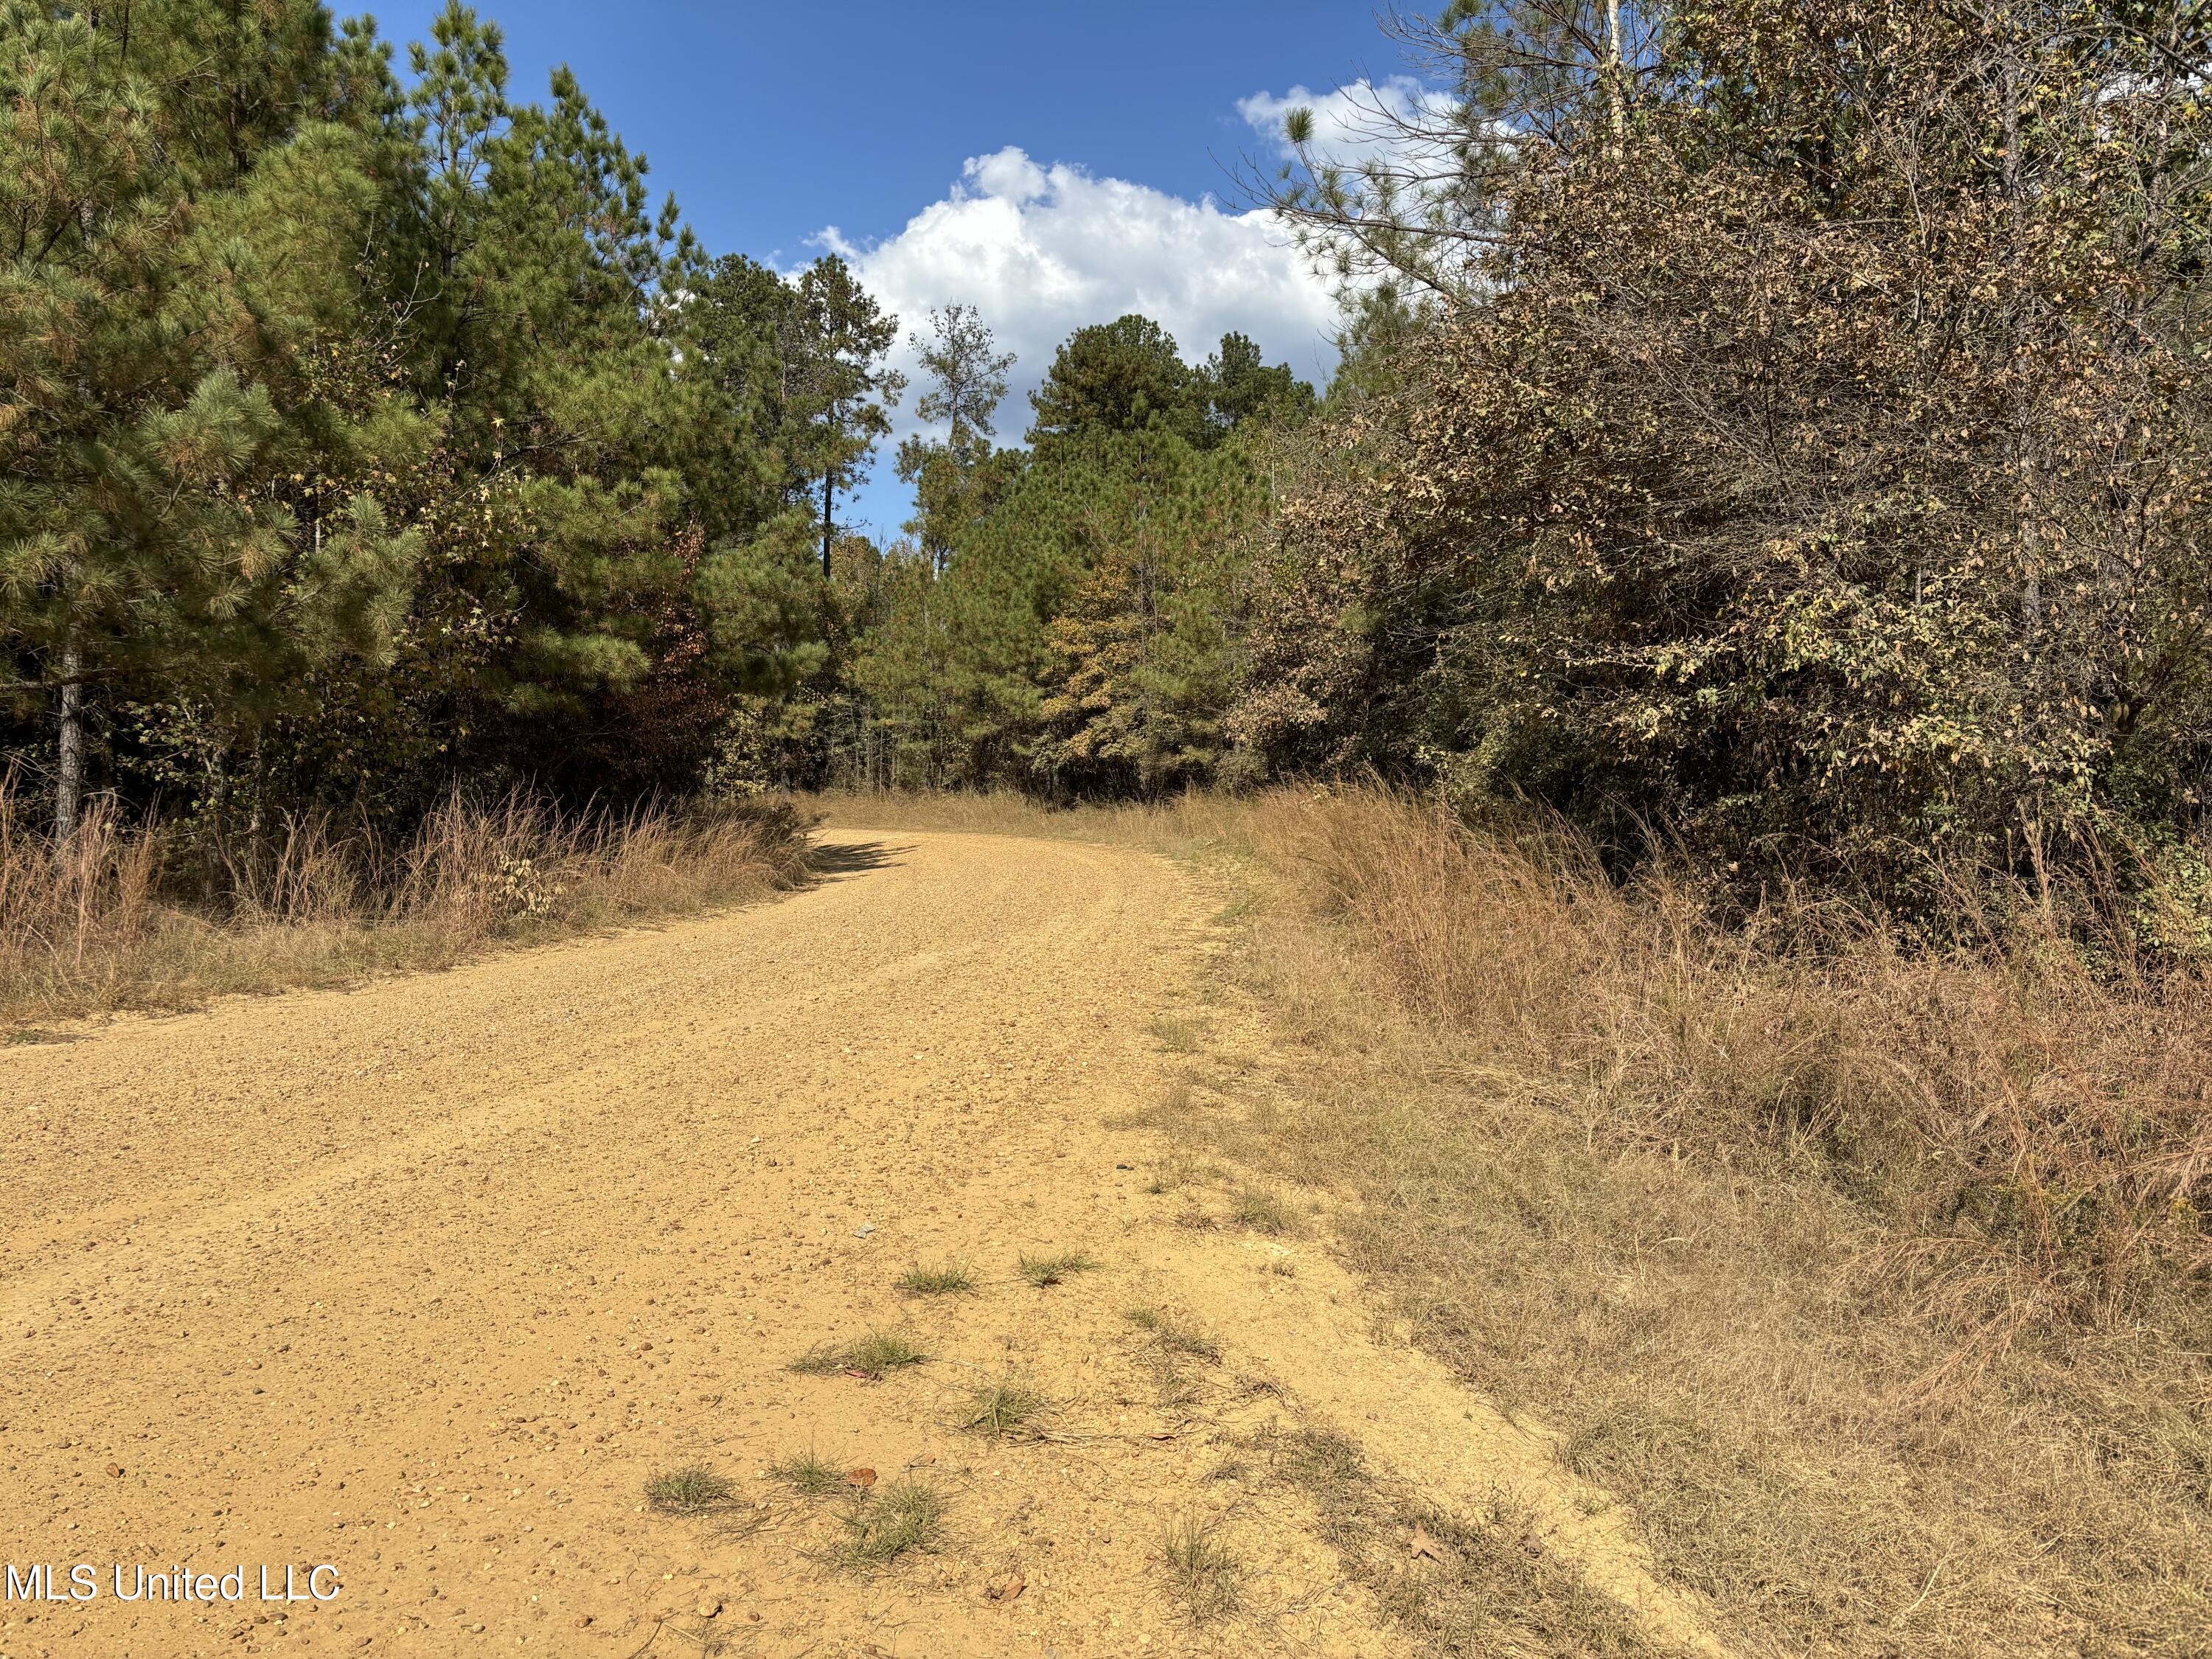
column 115, row 1469
column 707, row 1609
column 864, row 1230
column 583, row 1619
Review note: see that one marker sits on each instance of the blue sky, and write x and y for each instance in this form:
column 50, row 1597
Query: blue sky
column 1050, row 163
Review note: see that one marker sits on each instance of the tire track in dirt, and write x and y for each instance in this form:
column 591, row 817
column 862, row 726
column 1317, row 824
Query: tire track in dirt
column 427, row 1280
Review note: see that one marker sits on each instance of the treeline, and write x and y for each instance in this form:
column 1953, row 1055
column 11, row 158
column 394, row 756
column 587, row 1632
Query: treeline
column 1805, row 463
column 1777, row 433
column 369, row 434
column 1076, row 623
column 361, row 438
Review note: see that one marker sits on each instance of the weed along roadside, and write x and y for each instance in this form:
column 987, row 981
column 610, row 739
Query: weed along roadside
column 1755, row 1351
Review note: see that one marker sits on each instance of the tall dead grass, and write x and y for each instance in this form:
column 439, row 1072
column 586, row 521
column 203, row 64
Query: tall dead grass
column 116, row 917
column 1872, row 1281
column 2034, row 1129
column 1875, row 1282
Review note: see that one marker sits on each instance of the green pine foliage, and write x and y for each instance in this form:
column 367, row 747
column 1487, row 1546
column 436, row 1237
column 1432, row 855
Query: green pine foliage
column 1086, row 635
column 180, row 284
column 364, row 434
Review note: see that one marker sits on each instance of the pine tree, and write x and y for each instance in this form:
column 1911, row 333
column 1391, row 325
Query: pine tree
column 846, row 389
column 1121, row 376
column 1085, row 636
column 156, row 323
column 953, row 477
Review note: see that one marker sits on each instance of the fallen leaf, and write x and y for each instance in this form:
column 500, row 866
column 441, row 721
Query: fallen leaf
column 859, row 1478
column 1425, row 1547
column 1014, row 1586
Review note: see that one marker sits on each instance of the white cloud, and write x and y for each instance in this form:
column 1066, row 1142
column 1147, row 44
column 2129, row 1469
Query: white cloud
column 1363, row 123
column 1043, row 251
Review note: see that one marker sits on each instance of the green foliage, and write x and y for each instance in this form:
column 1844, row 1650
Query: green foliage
column 1085, row 637
column 1122, row 376
column 360, row 437
column 955, row 481
column 1816, row 468
column 161, row 345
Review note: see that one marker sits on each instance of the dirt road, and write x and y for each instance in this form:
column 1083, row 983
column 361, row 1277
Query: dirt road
column 425, row 1281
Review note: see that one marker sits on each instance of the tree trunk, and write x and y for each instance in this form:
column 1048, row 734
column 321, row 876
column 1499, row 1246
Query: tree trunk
column 68, row 784
column 1616, row 93
column 829, row 489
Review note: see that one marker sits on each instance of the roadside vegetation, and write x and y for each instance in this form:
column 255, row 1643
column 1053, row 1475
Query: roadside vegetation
column 1702, row 727
column 117, row 918
column 1866, row 1276
column 1871, row 1281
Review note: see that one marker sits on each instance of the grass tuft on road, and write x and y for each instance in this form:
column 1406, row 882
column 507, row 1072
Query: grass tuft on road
column 1265, row 1211
column 953, row 1278
column 1202, row 1573
column 1004, row 1409
column 1171, row 1335
column 873, row 1357
column 905, row 1517
column 695, row 1490
column 809, row 1474
column 1044, row 1271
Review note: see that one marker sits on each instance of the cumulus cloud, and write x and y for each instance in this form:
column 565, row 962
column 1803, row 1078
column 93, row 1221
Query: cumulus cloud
column 1042, row 251
column 1355, row 125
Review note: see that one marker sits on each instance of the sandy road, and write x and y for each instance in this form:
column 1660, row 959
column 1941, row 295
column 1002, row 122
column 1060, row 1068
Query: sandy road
column 427, row 1280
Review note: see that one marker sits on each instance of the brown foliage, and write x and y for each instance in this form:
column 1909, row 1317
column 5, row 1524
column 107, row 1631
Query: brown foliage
column 1817, row 468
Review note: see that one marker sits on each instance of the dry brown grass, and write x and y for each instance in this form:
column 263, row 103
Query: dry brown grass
column 112, row 921
column 1477, row 1584
column 2033, row 1132
column 1873, row 1282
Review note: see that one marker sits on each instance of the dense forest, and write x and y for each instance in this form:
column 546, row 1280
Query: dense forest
column 1773, row 432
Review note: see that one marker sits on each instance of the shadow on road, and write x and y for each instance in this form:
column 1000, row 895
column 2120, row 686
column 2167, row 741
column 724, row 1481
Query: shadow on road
column 854, row 858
